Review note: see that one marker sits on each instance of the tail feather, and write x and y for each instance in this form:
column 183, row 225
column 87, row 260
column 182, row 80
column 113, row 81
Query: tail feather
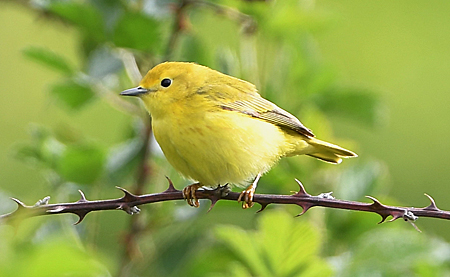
column 328, row 152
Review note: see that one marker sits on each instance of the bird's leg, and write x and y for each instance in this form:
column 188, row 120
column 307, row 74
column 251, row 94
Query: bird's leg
column 189, row 194
column 247, row 194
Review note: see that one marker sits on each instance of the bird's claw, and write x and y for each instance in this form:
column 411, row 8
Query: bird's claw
column 247, row 194
column 247, row 197
column 189, row 195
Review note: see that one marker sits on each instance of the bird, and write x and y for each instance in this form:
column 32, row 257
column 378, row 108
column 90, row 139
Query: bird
column 216, row 129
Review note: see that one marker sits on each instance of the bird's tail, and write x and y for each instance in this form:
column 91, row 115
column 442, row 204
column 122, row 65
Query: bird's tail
column 328, row 152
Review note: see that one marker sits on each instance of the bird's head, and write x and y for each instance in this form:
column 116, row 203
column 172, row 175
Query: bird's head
column 186, row 85
column 167, row 83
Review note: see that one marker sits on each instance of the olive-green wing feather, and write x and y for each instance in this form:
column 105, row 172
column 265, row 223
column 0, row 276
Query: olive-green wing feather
column 237, row 95
column 259, row 107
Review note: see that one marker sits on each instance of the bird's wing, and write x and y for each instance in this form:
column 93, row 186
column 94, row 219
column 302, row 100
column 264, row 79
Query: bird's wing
column 258, row 107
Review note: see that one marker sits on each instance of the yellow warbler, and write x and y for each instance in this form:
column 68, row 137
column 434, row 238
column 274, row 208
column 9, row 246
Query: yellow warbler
column 217, row 129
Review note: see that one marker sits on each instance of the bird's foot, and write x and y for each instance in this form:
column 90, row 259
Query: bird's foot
column 247, row 195
column 189, row 194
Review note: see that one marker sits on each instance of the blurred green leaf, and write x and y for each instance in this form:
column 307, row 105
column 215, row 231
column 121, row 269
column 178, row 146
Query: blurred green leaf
column 88, row 19
column 318, row 80
column 282, row 246
column 82, row 164
column 360, row 106
column 72, row 93
column 395, row 252
column 122, row 159
column 238, row 270
column 49, row 58
column 110, row 10
column 359, row 180
column 58, row 255
column 226, row 61
column 291, row 20
column 287, row 20
column 67, row 134
column 244, row 246
column 353, row 183
column 43, row 150
column 103, row 62
column 59, row 258
column 28, row 154
column 194, row 50
column 137, row 31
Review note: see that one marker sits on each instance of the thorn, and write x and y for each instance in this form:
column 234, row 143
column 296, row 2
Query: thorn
column 83, row 197
column 81, row 216
column 432, row 206
column 128, row 197
column 302, row 191
column 396, row 216
column 376, row 202
column 213, row 203
column 218, row 193
column 305, row 208
column 171, row 186
column 20, row 203
column 263, row 207
column 383, row 218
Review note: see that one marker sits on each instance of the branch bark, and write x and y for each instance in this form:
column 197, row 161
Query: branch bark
column 129, row 203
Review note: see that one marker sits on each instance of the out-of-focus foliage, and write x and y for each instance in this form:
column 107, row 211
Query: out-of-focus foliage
column 275, row 249
column 50, row 253
column 50, row 59
column 394, row 252
column 270, row 43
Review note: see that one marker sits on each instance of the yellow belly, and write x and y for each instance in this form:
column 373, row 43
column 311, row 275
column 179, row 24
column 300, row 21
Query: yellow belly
column 220, row 147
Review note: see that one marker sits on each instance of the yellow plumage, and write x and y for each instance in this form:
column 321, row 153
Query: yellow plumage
column 217, row 129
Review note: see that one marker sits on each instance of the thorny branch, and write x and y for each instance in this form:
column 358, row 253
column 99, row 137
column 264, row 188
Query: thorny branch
column 129, row 203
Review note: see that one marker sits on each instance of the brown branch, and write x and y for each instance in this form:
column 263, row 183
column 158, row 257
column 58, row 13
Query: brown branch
column 136, row 225
column 129, row 203
column 180, row 24
column 181, row 21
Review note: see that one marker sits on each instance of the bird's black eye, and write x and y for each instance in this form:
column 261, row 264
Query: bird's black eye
column 166, row 82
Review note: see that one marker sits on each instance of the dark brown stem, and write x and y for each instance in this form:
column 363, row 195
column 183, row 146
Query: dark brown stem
column 131, row 249
column 129, row 203
column 144, row 169
column 180, row 24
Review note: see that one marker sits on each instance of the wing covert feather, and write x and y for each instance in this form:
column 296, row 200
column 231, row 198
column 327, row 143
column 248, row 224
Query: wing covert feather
column 264, row 109
column 241, row 96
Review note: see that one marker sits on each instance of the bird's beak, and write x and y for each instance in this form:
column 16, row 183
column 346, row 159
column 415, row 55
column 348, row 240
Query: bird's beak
column 134, row 91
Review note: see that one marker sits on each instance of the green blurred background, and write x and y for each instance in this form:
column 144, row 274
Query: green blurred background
column 398, row 49
column 401, row 49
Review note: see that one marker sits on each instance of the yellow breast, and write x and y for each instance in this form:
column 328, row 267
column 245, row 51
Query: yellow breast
column 219, row 147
